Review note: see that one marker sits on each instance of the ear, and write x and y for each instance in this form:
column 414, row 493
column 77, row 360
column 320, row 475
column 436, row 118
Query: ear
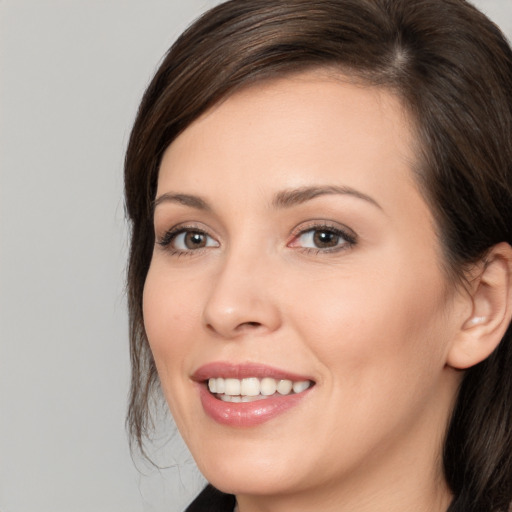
column 491, row 299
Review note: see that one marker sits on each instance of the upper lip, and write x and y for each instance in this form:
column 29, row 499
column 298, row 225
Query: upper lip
column 243, row 371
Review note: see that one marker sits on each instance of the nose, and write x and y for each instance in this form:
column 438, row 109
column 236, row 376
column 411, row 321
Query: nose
column 243, row 299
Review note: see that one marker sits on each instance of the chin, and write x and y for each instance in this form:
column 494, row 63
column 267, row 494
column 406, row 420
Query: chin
column 249, row 471
column 245, row 479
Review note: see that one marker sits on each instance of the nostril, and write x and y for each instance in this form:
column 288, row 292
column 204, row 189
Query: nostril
column 239, row 328
column 248, row 326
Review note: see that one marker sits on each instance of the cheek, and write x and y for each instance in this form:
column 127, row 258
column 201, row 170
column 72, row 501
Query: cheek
column 357, row 327
column 375, row 346
column 170, row 312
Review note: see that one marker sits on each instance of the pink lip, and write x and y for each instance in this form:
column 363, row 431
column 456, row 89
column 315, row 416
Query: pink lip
column 245, row 414
column 243, row 371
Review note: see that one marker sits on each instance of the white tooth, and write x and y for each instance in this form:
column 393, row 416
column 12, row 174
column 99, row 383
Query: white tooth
column 298, row 387
column 229, row 398
column 252, row 398
column 212, row 385
column 250, row 387
column 220, row 386
column 237, row 399
column 284, row 387
column 268, row 386
column 232, row 387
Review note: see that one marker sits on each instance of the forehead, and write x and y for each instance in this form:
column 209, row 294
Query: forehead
column 295, row 131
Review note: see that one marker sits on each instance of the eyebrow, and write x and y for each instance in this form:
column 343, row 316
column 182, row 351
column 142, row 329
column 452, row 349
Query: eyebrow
column 289, row 198
column 184, row 199
column 283, row 199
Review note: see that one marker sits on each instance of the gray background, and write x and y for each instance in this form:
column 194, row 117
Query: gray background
column 71, row 75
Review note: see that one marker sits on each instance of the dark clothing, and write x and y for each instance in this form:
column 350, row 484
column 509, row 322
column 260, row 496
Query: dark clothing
column 212, row 500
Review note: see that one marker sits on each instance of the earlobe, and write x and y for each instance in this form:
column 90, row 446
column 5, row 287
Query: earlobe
column 491, row 296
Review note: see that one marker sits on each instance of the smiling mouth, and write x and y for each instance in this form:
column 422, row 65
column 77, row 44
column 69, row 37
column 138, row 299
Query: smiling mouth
column 253, row 388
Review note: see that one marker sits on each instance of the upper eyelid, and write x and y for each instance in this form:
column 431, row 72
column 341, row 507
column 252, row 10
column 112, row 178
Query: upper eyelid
column 323, row 224
column 184, row 226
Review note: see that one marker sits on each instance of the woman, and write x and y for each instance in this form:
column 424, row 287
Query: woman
column 320, row 268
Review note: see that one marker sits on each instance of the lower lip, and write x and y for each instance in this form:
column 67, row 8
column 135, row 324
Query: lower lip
column 248, row 414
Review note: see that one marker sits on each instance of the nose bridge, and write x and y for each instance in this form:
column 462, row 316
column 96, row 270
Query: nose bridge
column 241, row 297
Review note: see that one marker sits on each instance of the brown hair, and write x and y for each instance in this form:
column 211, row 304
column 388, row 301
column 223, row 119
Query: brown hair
column 452, row 69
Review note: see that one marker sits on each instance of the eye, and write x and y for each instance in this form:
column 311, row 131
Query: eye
column 186, row 240
column 324, row 238
column 190, row 240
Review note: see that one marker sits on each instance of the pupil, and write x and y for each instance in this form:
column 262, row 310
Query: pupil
column 325, row 239
column 194, row 240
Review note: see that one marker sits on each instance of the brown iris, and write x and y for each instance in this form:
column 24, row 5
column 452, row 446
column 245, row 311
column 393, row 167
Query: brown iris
column 325, row 239
column 194, row 240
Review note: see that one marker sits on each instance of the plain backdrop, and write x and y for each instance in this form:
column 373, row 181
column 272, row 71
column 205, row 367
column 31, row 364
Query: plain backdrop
column 71, row 75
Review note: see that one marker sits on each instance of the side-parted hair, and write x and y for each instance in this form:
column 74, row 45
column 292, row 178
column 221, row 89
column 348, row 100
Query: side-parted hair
column 451, row 67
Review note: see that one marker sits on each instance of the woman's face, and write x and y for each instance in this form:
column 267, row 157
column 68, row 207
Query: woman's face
column 292, row 244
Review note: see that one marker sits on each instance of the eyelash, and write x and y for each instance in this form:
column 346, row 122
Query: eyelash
column 173, row 233
column 349, row 237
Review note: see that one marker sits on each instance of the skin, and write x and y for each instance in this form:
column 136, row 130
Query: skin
column 372, row 322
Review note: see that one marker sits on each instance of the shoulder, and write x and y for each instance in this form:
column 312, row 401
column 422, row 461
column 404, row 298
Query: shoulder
column 212, row 500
